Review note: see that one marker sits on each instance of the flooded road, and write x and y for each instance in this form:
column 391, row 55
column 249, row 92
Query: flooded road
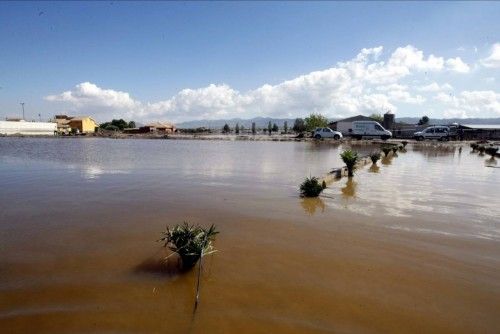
column 412, row 245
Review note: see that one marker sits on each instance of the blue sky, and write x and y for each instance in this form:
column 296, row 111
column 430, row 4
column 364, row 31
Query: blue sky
column 207, row 60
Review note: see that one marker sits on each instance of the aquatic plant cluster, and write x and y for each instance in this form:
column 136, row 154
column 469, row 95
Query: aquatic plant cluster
column 311, row 187
column 375, row 156
column 190, row 241
column 485, row 148
column 350, row 158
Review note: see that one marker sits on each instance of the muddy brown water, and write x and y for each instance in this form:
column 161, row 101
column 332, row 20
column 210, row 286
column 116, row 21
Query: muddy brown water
column 411, row 245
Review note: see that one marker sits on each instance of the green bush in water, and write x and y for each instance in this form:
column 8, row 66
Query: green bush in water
column 190, row 242
column 350, row 158
column 481, row 149
column 375, row 156
column 404, row 142
column 474, row 146
column 386, row 150
column 311, row 187
column 394, row 149
column 491, row 151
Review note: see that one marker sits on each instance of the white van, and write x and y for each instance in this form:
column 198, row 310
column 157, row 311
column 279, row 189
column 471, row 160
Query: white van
column 362, row 129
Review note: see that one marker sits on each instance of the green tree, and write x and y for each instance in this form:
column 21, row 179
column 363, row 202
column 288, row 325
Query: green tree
column 253, row 128
column 269, row 127
column 131, row 124
column 378, row 117
column 275, row 127
column 119, row 123
column 285, row 127
column 242, row 127
column 237, row 128
column 423, row 121
column 116, row 124
column 226, row 129
column 299, row 125
column 314, row 121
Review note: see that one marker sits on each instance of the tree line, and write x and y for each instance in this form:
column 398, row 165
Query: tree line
column 117, row 125
column 309, row 123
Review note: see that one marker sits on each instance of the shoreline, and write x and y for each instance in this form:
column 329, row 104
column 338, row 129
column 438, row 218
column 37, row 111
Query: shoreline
column 273, row 138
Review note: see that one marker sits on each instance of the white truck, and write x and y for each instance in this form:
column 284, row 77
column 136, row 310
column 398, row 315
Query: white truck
column 369, row 129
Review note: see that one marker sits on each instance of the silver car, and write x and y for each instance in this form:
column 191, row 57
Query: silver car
column 326, row 133
column 438, row 132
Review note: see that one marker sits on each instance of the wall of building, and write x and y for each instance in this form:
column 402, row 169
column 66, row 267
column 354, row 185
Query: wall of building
column 88, row 125
column 85, row 125
column 28, row 128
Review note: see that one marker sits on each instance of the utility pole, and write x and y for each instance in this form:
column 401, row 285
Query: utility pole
column 22, row 105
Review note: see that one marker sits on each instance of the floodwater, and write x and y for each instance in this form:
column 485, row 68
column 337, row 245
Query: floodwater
column 412, row 245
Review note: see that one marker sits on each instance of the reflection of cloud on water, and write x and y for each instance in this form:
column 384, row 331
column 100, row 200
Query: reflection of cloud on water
column 94, row 172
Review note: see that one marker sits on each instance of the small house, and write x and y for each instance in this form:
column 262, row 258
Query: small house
column 83, row 124
column 163, row 127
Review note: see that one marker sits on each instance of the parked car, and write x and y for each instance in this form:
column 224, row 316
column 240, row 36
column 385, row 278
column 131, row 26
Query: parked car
column 362, row 129
column 439, row 132
column 326, row 133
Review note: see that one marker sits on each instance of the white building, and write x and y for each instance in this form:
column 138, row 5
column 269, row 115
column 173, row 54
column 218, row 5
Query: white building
column 27, row 128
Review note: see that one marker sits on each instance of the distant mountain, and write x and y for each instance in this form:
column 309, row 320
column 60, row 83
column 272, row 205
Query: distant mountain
column 261, row 122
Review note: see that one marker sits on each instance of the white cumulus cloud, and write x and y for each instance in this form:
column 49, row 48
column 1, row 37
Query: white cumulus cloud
column 434, row 87
column 369, row 82
column 457, row 65
column 493, row 60
column 474, row 103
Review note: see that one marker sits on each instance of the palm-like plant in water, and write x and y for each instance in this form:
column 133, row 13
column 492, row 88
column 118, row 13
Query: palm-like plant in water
column 190, row 241
column 404, row 142
column 492, row 151
column 386, row 150
column 350, row 158
column 311, row 187
column 481, row 149
column 375, row 156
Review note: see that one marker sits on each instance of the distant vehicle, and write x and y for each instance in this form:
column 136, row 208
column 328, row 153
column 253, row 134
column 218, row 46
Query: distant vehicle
column 439, row 132
column 326, row 133
column 362, row 129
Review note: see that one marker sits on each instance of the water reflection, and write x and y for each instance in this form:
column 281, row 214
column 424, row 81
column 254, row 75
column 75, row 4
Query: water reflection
column 491, row 162
column 387, row 160
column 374, row 168
column 349, row 190
column 311, row 205
column 433, row 150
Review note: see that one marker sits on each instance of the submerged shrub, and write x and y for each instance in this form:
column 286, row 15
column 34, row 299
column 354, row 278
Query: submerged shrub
column 474, row 146
column 491, row 151
column 375, row 156
column 350, row 158
column 311, row 187
column 190, row 242
column 386, row 150
column 394, row 149
column 481, row 149
column 404, row 142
